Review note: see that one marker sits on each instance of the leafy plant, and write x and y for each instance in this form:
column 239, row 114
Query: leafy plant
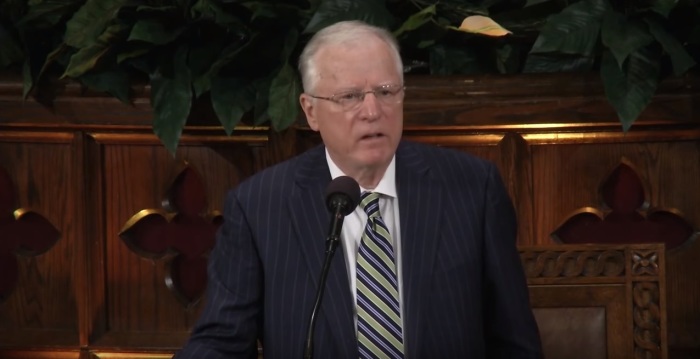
column 629, row 41
column 241, row 55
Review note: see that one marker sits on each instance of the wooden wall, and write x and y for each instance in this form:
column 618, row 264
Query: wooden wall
column 90, row 201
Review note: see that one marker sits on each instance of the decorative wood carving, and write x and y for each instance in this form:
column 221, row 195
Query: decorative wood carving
column 180, row 233
column 625, row 217
column 640, row 268
column 24, row 233
column 573, row 264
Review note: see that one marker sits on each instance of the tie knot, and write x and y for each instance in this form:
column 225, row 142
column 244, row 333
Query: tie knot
column 369, row 202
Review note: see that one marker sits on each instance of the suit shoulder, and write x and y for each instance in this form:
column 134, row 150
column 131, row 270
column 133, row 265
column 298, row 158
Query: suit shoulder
column 450, row 161
column 273, row 180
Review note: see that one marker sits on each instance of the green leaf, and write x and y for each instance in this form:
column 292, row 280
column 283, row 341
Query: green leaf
column 507, row 59
column 622, row 36
column 47, row 13
column 282, row 14
column 89, row 22
column 154, row 32
column 416, row 20
column 574, row 30
column 228, row 54
column 10, row 52
column 663, row 7
column 86, row 58
column 448, row 61
column 157, row 8
column 681, row 60
column 12, row 9
column 201, row 84
column 148, row 9
column 171, row 98
column 331, row 11
column 231, row 98
column 425, row 44
column 57, row 53
column 262, row 99
column 202, row 56
column 285, row 89
column 27, row 79
column 131, row 53
column 425, row 36
column 203, row 8
column 530, row 18
column 140, row 64
column 290, row 42
column 114, row 82
column 208, row 9
column 529, row 3
column 557, row 63
column 630, row 89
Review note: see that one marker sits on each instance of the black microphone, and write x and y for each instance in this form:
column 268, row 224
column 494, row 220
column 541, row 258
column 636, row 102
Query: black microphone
column 342, row 196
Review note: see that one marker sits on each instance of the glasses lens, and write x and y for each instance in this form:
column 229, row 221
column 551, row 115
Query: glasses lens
column 348, row 99
column 388, row 94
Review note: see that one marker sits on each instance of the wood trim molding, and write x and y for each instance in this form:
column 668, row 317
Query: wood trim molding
column 641, row 268
column 491, row 103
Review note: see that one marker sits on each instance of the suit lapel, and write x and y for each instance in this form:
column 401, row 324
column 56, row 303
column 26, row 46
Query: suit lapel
column 311, row 219
column 420, row 197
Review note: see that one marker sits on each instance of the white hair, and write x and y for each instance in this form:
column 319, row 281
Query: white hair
column 340, row 33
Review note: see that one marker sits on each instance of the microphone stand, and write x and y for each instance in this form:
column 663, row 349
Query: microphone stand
column 331, row 245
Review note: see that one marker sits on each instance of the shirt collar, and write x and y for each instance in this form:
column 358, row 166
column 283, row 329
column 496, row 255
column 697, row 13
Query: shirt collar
column 386, row 186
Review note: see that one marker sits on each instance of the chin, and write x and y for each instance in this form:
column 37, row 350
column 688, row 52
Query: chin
column 376, row 160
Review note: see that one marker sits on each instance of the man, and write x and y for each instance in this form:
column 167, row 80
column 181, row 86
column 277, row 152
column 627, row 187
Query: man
column 452, row 285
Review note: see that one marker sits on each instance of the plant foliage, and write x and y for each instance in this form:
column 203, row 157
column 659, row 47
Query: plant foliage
column 241, row 55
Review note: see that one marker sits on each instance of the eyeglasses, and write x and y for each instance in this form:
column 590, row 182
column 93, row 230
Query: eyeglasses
column 351, row 100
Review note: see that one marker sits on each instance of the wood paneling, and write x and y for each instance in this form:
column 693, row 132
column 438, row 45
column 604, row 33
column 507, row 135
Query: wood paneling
column 137, row 298
column 42, row 307
column 671, row 172
column 33, row 354
column 90, row 163
column 684, row 297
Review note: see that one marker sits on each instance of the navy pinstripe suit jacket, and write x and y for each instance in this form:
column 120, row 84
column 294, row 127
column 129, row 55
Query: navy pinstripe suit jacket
column 465, row 294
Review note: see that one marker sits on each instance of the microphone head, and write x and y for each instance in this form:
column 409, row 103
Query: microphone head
column 343, row 192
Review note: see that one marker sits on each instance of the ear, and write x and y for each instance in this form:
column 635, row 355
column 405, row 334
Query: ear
column 307, row 105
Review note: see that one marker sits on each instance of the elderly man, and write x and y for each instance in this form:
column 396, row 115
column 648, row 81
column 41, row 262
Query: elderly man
column 428, row 266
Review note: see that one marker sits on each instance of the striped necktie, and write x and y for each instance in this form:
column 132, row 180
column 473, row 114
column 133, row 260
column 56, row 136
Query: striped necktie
column 379, row 331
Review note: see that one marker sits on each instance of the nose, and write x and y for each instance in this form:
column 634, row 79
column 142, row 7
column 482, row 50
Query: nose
column 370, row 107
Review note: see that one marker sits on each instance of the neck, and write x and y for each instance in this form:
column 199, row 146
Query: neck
column 368, row 179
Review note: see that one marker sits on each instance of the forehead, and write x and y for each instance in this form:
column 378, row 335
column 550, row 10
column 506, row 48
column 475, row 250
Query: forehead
column 357, row 63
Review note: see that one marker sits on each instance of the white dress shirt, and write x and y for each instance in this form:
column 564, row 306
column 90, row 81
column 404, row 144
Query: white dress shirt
column 354, row 225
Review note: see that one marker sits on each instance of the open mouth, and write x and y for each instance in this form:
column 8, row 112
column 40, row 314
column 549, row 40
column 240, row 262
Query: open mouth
column 372, row 136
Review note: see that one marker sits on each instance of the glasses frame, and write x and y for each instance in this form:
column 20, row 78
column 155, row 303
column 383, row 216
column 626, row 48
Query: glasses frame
column 334, row 98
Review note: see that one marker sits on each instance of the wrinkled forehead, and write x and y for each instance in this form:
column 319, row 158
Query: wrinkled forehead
column 357, row 57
